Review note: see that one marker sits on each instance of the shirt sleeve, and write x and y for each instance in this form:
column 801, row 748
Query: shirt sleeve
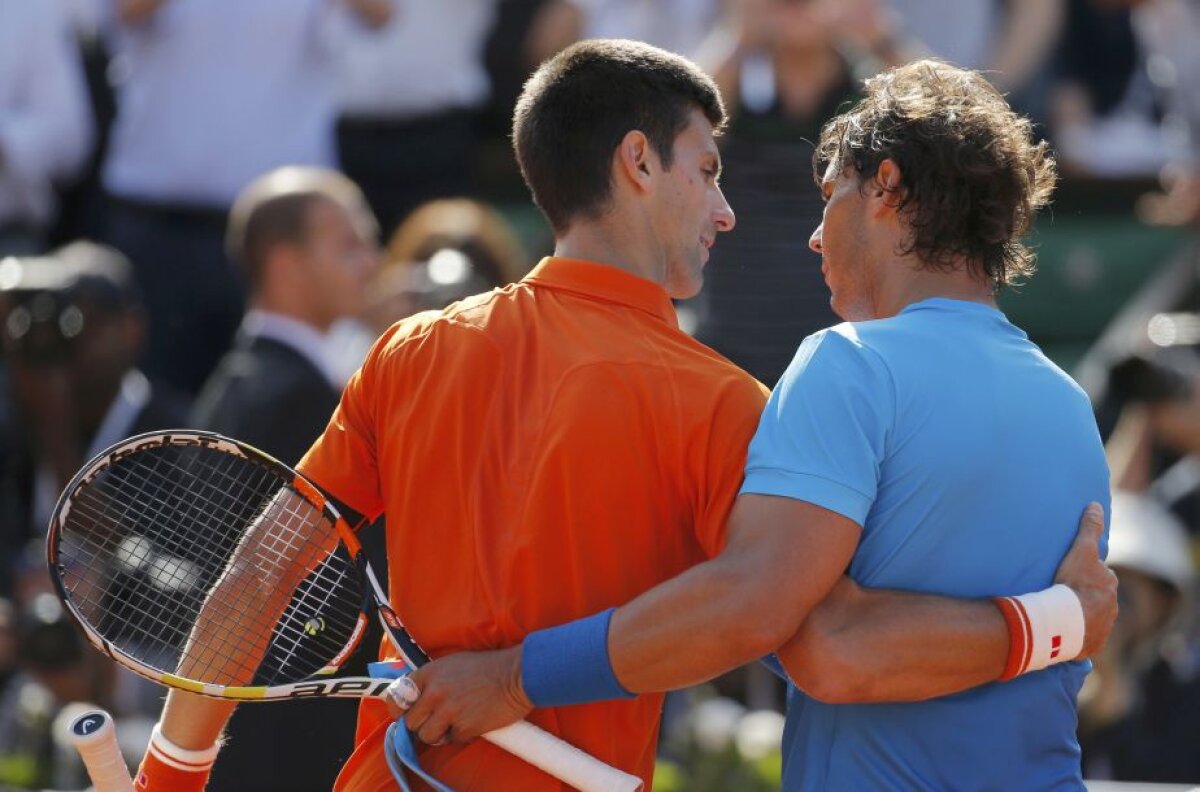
column 823, row 435
column 343, row 460
column 729, row 432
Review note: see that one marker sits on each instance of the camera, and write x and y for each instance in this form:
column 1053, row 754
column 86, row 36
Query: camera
column 41, row 317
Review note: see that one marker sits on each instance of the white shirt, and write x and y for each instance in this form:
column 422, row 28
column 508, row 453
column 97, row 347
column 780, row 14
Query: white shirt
column 305, row 339
column 961, row 31
column 428, row 59
column 45, row 118
column 1169, row 34
column 213, row 93
column 679, row 26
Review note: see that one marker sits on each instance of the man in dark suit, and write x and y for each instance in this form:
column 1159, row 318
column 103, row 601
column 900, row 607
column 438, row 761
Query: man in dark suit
column 307, row 243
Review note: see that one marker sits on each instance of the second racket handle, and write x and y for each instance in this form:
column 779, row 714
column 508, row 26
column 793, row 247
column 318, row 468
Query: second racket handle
column 562, row 760
column 95, row 737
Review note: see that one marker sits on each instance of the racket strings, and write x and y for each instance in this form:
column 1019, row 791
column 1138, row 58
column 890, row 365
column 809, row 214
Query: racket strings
column 146, row 543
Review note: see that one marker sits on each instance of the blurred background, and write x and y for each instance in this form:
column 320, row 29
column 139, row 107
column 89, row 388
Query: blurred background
column 129, row 127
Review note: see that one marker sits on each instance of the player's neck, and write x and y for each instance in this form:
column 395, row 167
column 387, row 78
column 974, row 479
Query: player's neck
column 608, row 243
column 912, row 284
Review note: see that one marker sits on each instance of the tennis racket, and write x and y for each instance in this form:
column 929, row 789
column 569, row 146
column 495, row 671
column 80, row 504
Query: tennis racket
column 205, row 565
column 95, row 737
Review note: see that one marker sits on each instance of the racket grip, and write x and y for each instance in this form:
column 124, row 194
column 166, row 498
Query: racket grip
column 95, row 737
column 561, row 759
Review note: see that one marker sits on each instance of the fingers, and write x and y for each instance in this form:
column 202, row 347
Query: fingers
column 431, row 725
column 425, row 716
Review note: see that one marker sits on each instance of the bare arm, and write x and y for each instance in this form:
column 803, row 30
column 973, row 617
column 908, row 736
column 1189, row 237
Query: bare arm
column 862, row 645
column 233, row 630
column 859, row 645
column 1031, row 28
column 783, row 557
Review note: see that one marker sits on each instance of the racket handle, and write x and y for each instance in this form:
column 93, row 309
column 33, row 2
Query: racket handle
column 95, row 737
column 561, row 759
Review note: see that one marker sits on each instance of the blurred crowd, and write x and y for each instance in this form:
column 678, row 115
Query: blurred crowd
column 209, row 210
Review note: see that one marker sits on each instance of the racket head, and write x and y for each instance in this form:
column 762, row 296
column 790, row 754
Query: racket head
column 142, row 535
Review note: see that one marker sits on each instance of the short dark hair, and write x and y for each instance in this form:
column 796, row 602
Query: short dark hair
column 577, row 107
column 972, row 176
column 273, row 210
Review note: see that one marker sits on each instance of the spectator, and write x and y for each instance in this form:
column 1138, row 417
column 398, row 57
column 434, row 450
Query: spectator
column 45, row 129
column 782, row 77
column 1105, row 111
column 306, row 242
column 72, row 330
column 55, row 671
column 676, row 25
column 407, row 140
column 444, row 251
column 211, row 94
column 1140, row 715
column 1009, row 39
column 1170, row 29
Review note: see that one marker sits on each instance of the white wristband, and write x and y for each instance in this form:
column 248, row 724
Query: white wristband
column 1045, row 628
column 184, row 759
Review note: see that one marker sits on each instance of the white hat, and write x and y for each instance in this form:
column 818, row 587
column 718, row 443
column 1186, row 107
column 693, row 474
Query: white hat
column 1147, row 537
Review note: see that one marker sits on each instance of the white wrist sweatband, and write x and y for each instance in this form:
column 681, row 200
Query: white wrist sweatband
column 184, row 759
column 1044, row 628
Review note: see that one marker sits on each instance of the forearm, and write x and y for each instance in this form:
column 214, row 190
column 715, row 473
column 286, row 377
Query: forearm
column 861, row 645
column 783, row 558
column 720, row 55
column 695, row 627
column 1030, row 30
column 194, row 722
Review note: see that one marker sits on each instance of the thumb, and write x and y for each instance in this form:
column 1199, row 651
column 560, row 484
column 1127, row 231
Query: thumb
column 1092, row 526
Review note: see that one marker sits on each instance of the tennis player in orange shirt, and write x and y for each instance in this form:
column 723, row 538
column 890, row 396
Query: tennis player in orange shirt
column 554, row 448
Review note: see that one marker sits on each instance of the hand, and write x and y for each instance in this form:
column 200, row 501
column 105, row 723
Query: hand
column 865, row 22
column 374, row 14
column 1178, row 204
column 466, row 695
column 1092, row 581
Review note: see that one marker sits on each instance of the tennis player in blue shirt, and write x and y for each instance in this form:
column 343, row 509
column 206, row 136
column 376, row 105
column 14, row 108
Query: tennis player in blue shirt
column 924, row 445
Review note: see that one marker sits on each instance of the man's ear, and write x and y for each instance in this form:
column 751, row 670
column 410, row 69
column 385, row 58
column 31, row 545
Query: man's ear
column 888, row 184
column 635, row 160
column 887, row 187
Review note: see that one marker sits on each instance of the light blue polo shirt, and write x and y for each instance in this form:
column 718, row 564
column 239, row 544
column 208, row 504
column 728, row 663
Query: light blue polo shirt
column 967, row 457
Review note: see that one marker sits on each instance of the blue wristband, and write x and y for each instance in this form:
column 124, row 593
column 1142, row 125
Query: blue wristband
column 569, row 664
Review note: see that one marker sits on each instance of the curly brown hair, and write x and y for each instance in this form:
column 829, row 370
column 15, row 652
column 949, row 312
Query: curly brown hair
column 972, row 178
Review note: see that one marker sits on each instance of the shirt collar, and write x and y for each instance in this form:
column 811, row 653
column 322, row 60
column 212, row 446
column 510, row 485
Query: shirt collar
column 306, row 340
column 604, row 282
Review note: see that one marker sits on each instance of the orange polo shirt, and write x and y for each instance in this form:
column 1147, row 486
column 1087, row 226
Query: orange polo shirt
column 541, row 453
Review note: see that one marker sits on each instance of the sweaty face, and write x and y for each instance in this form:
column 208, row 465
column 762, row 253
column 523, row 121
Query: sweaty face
column 691, row 208
column 841, row 241
column 339, row 254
